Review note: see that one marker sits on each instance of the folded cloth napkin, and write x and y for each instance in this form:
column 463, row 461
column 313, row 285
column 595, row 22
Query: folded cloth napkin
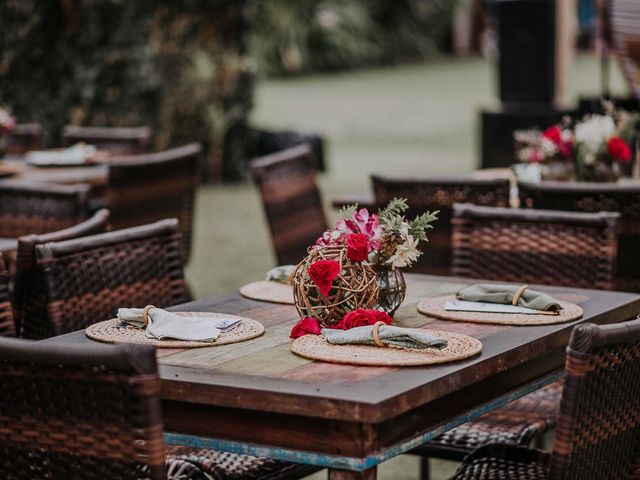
column 162, row 324
column 392, row 336
column 76, row 154
column 500, row 293
column 281, row 274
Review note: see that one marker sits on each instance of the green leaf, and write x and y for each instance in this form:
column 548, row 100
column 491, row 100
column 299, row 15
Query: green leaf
column 418, row 226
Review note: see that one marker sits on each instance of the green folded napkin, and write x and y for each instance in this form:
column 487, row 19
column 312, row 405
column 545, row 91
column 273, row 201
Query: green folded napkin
column 393, row 336
column 281, row 273
column 497, row 293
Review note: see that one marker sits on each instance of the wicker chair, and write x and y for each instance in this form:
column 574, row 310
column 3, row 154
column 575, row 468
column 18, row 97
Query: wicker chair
column 29, row 283
column 292, row 202
column 146, row 188
column 598, row 433
column 87, row 279
column 93, row 411
column 512, row 245
column 24, row 138
column 114, row 140
column 440, row 193
column 7, row 326
column 535, row 246
column 590, row 197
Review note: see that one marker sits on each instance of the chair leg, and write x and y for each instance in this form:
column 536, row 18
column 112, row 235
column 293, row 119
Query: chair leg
column 425, row 469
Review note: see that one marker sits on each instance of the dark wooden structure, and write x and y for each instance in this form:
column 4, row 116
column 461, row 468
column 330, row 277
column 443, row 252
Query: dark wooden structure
column 258, row 397
column 291, row 200
column 439, row 193
column 25, row 137
column 7, row 325
column 114, row 140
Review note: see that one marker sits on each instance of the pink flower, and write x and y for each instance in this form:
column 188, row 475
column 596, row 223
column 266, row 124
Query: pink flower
column 306, row 326
column 561, row 139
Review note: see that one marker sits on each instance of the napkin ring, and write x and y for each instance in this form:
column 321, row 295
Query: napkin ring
column 518, row 294
column 376, row 334
column 145, row 314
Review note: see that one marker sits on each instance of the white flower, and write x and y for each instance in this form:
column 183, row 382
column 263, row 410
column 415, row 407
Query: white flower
column 405, row 254
column 594, row 131
column 548, row 147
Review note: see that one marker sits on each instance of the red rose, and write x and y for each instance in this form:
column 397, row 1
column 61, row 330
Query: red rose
column 618, row 149
column 323, row 273
column 554, row 134
column 382, row 317
column 306, row 326
column 358, row 318
column 357, row 247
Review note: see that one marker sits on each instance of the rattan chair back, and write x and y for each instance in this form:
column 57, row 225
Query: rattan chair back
column 291, row 200
column 598, row 432
column 535, row 246
column 115, row 140
column 147, row 188
column 439, row 193
column 29, row 299
column 87, row 279
column 7, row 325
column 39, row 208
column 24, row 138
column 79, row 412
column 590, row 197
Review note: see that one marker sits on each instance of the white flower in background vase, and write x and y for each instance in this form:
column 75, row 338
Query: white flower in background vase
column 405, row 254
column 593, row 132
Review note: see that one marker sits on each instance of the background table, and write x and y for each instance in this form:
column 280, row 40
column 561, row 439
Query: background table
column 94, row 175
column 259, row 398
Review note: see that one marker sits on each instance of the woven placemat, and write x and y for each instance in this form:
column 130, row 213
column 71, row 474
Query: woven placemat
column 268, row 291
column 107, row 332
column 434, row 307
column 317, row 348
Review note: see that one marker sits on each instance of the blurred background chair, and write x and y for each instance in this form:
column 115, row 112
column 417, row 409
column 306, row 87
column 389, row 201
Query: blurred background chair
column 87, row 279
column 535, row 246
column 24, row 138
column 93, row 411
column 114, row 140
column 598, row 435
column 291, row 201
column 439, row 193
column 7, row 324
column 523, row 246
column 29, row 283
column 146, row 188
column 590, row 197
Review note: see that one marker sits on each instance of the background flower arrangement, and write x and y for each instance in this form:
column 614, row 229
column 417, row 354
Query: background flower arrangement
column 7, row 124
column 351, row 276
column 593, row 149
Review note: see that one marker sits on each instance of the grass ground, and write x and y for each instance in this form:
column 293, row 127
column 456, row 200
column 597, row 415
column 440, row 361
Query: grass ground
column 412, row 120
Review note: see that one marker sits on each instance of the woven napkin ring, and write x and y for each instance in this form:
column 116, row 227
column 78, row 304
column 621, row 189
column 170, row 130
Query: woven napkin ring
column 376, row 334
column 145, row 314
column 518, row 294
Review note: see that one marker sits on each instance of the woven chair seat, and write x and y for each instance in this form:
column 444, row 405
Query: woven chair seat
column 504, row 462
column 186, row 463
column 517, row 423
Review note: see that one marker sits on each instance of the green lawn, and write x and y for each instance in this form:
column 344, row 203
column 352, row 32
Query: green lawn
column 413, row 120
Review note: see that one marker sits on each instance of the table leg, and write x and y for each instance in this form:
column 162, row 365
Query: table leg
column 370, row 474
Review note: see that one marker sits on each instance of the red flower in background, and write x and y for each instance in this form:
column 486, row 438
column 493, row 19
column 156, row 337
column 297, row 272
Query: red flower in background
column 358, row 247
column 323, row 273
column 306, row 326
column 553, row 133
column 564, row 145
column 618, row 149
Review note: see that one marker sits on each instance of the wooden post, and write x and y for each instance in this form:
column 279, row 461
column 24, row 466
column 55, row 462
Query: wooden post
column 369, row 474
column 565, row 45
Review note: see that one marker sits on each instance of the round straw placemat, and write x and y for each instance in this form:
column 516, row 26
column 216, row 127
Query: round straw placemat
column 268, row 291
column 108, row 332
column 434, row 307
column 316, row 347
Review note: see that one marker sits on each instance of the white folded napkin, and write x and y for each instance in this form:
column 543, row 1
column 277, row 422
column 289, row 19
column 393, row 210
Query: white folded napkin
column 162, row 324
column 75, row 155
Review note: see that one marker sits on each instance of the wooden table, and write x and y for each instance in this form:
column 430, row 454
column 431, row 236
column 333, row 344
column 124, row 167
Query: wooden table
column 259, row 398
column 94, row 175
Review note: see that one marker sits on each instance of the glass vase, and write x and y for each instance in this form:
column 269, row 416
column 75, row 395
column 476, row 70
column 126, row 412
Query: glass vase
column 391, row 289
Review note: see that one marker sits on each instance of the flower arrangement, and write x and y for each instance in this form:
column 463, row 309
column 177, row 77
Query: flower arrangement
column 592, row 149
column 341, row 283
column 7, row 122
column 386, row 239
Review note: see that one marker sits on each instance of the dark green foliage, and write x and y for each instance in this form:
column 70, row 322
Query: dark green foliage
column 178, row 67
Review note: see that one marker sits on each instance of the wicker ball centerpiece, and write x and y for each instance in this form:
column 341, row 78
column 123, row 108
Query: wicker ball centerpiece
column 355, row 286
